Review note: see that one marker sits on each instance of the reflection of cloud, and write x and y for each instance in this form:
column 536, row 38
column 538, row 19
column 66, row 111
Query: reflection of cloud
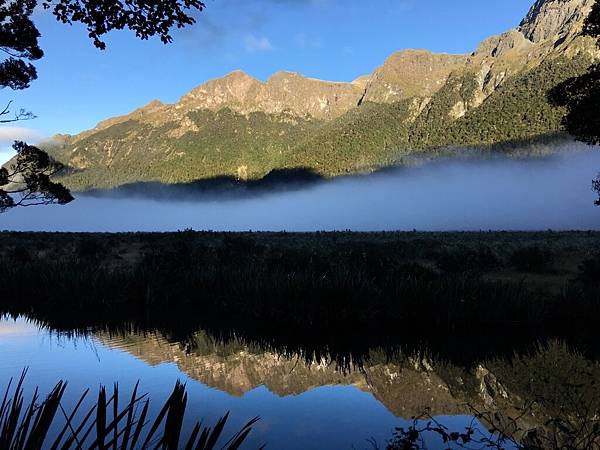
column 257, row 44
column 17, row 327
column 10, row 134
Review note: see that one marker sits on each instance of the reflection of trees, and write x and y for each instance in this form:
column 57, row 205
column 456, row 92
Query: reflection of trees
column 546, row 397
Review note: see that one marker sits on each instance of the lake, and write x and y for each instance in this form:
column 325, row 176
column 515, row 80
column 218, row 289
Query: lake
column 466, row 193
column 302, row 406
column 349, row 386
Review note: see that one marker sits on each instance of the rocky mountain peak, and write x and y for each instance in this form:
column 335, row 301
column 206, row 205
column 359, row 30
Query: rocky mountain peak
column 550, row 30
column 235, row 90
column 411, row 72
column 549, row 19
column 283, row 76
column 293, row 92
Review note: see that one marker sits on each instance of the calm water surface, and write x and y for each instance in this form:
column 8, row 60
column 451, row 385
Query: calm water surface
column 301, row 406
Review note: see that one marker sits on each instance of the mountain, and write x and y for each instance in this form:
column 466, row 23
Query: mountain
column 240, row 127
column 407, row 385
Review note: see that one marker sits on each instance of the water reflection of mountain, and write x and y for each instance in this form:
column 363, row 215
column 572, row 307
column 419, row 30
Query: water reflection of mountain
column 405, row 385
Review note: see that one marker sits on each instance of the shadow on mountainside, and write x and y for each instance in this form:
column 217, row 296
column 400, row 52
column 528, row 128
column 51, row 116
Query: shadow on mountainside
column 223, row 187
column 228, row 187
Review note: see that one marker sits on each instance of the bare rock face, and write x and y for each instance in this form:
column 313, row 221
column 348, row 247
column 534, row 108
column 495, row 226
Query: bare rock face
column 301, row 95
column 237, row 90
column 283, row 92
column 411, row 73
column 405, row 391
column 502, row 45
column 550, row 29
column 549, row 25
column 153, row 108
column 554, row 19
column 405, row 74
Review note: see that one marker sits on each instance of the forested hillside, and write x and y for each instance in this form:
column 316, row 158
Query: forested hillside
column 416, row 101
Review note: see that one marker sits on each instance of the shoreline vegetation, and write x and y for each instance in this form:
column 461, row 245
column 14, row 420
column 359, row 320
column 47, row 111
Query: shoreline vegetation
column 461, row 304
column 350, row 290
column 105, row 423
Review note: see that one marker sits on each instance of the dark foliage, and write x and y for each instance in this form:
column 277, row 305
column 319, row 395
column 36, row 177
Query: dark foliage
column 90, row 249
column 19, row 41
column 581, row 96
column 467, row 261
column 145, row 18
column 19, row 35
column 27, row 181
column 589, row 271
column 532, row 259
column 106, row 424
column 296, row 295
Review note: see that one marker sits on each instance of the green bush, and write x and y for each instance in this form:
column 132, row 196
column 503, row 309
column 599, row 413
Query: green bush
column 589, row 271
column 532, row 259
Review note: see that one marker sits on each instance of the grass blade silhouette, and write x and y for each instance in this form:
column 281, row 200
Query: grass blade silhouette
column 27, row 427
column 69, row 421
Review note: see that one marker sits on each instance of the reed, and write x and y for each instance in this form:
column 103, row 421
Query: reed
column 107, row 424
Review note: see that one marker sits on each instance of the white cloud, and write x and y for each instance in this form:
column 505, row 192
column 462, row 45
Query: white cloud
column 257, row 44
column 10, row 134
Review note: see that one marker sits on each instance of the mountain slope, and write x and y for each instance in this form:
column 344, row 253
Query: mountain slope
column 240, row 127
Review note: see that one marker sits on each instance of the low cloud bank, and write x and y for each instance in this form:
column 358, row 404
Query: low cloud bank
column 8, row 135
column 550, row 192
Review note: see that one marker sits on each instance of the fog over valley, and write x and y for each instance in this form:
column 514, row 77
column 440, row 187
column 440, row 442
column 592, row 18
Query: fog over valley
column 466, row 193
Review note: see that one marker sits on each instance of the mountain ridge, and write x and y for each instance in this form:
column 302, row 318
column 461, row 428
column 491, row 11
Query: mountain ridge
column 238, row 125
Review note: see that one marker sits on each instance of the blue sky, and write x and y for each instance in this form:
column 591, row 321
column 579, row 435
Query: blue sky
column 79, row 85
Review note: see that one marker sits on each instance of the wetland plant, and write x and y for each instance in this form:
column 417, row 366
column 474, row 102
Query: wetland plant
column 106, row 424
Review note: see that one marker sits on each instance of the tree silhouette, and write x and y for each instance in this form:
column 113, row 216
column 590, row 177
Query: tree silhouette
column 29, row 176
column 581, row 96
column 27, row 180
column 19, row 41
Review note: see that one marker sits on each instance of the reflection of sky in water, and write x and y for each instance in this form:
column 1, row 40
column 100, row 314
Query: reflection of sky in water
column 553, row 192
column 328, row 417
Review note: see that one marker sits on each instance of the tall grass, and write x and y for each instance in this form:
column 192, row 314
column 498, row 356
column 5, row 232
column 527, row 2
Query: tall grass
column 108, row 424
column 353, row 292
